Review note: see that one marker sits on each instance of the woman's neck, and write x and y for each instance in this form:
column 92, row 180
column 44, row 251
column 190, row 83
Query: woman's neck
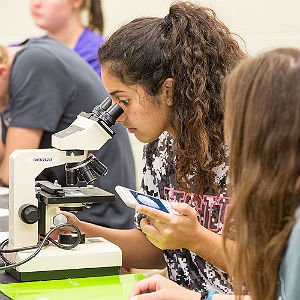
column 69, row 35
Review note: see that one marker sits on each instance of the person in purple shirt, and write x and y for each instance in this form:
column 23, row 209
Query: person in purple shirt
column 61, row 19
column 87, row 47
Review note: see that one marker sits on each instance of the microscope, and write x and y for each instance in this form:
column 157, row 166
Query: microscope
column 33, row 205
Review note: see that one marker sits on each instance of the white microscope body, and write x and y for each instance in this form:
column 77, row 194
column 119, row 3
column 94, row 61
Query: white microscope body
column 96, row 256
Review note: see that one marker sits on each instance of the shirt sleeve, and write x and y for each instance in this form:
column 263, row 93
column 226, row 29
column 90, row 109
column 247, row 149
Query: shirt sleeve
column 40, row 89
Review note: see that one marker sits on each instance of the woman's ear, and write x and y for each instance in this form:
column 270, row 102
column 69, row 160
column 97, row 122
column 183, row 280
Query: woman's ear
column 168, row 90
column 78, row 4
column 3, row 71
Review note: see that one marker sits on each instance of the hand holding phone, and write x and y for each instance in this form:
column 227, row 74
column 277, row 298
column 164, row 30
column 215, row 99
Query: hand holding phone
column 131, row 198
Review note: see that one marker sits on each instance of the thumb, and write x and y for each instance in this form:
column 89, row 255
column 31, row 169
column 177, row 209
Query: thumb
column 184, row 209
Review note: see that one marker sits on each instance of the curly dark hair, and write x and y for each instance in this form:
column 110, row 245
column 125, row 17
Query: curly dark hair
column 194, row 48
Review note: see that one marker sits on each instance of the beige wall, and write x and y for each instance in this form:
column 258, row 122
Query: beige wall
column 263, row 24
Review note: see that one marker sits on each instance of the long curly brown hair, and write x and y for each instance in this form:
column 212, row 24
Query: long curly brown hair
column 194, row 48
column 262, row 121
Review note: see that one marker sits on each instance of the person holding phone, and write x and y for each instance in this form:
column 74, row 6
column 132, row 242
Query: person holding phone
column 262, row 131
column 166, row 74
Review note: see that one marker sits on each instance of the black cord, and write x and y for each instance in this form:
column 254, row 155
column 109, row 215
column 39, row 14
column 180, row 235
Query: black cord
column 5, row 242
column 5, row 260
column 39, row 247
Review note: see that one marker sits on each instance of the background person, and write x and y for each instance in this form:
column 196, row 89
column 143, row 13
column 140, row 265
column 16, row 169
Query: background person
column 262, row 121
column 42, row 92
column 63, row 20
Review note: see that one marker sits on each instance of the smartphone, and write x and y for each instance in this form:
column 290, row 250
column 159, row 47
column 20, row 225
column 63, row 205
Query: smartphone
column 132, row 198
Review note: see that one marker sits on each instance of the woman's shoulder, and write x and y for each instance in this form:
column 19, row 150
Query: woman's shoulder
column 162, row 144
column 221, row 172
column 89, row 37
column 159, row 149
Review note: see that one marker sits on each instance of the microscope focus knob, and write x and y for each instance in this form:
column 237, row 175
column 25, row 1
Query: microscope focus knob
column 29, row 213
column 60, row 219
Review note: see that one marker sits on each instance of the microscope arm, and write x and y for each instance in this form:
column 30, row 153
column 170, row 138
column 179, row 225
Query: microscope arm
column 25, row 166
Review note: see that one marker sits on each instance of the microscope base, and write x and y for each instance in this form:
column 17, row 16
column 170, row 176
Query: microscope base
column 62, row 274
column 96, row 257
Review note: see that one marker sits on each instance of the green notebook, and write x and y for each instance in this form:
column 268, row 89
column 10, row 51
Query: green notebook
column 107, row 287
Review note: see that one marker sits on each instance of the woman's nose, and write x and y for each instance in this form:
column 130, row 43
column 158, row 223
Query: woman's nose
column 35, row 3
column 122, row 118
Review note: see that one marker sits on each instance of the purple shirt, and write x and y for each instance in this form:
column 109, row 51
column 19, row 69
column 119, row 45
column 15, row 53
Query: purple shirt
column 87, row 47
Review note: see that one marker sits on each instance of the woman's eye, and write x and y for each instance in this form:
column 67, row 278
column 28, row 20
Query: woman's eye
column 124, row 102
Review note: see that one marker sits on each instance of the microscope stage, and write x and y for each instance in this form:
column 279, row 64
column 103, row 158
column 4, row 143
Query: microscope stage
column 49, row 193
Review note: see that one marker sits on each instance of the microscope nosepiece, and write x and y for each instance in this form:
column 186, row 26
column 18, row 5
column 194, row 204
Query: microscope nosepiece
column 71, row 176
column 98, row 167
column 87, row 174
column 86, row 170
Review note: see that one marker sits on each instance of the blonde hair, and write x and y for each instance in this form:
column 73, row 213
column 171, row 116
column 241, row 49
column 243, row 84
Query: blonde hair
column 3, row 55
column 95, row 15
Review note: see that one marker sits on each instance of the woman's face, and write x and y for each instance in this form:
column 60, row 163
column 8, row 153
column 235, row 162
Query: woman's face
column 147, row 121
column 52, row 15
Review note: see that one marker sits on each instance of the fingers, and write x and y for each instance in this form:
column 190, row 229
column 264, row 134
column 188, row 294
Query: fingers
column 154, row 213
column 147, row 285
column 148, row 228
column 54, row 235
column 71, row 218
column 156, row 287
column 184, row 209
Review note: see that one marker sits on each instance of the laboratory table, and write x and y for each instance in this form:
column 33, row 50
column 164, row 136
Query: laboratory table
column 107, row 287
column 4, row 278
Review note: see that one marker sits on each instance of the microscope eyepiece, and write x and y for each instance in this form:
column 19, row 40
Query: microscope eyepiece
column 107, row 112
column 115, row 111
column 104, row 105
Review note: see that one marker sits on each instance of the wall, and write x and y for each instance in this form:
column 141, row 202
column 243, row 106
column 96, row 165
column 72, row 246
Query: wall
column 262, row 24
